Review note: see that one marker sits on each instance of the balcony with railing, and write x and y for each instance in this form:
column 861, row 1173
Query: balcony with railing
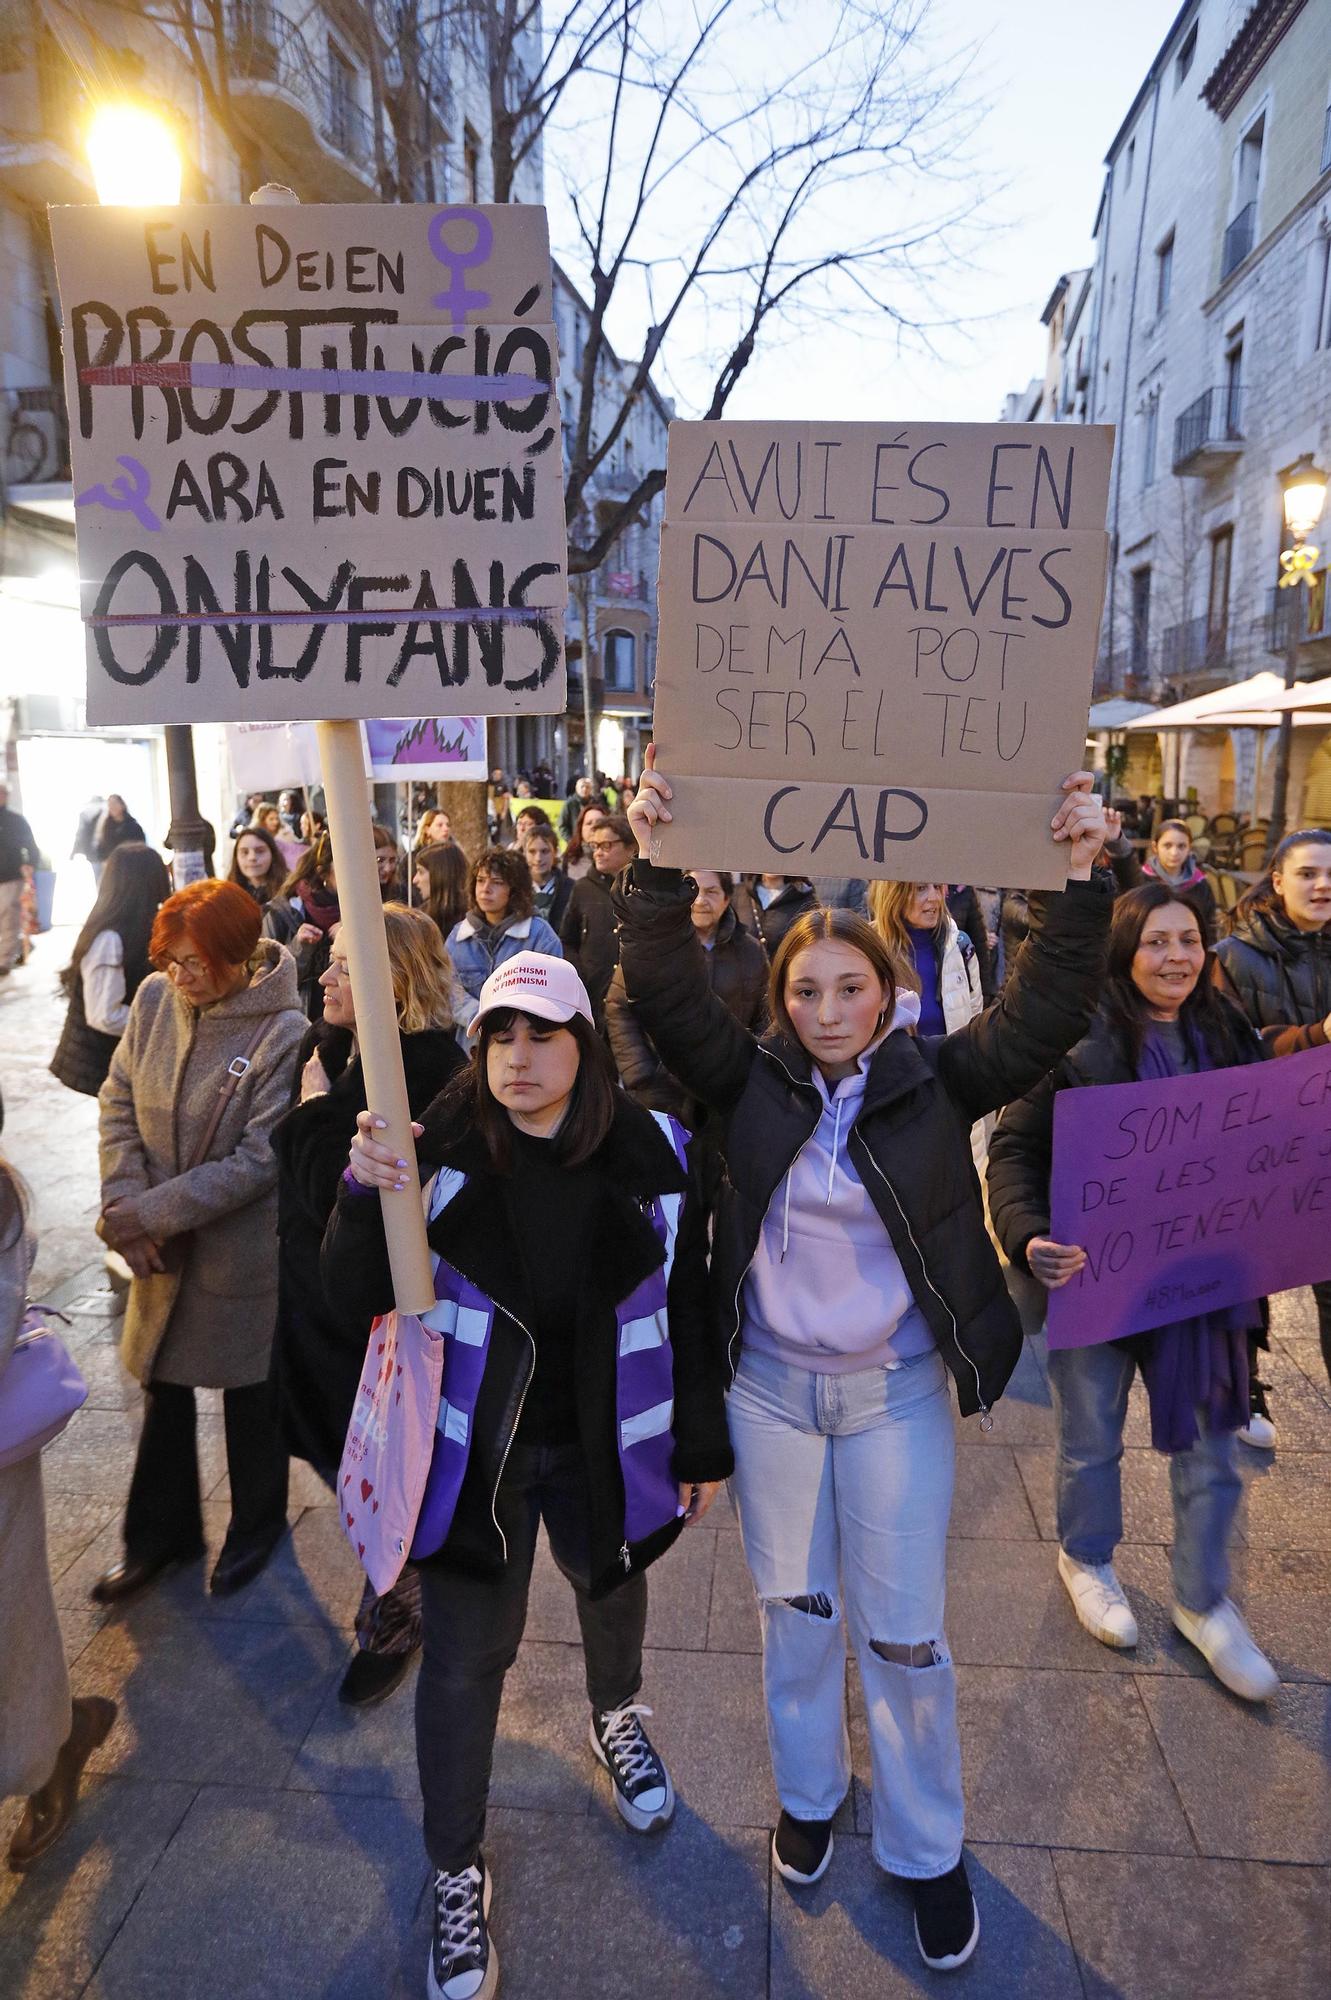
column 1194, row 653
column 1238, row 239
column 1209, row 434
column 34, row 437
column 289, row 99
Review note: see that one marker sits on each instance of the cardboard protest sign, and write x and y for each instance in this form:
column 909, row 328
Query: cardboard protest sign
column 876, row 644
column 449, row 749
column 1190, row 1193
column 317, row 462
column 266, row 755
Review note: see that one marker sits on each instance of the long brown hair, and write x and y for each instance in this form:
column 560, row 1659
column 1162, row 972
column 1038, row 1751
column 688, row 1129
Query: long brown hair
column 591, row 1108
column 262, row 892
column 446, row 867
column 134, row 885
column 817, row 927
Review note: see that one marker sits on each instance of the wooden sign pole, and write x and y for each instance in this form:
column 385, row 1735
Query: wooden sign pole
column 362, row 936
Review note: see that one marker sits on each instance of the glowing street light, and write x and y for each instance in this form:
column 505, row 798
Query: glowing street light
column 1303, row 495
column 134, row 158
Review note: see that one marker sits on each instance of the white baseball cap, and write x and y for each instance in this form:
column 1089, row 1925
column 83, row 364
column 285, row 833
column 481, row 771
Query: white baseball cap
column 535, row 984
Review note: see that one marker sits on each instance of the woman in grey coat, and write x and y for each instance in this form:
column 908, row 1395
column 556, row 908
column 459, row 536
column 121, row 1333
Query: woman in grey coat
column 45, row 1738
column 201, row 1076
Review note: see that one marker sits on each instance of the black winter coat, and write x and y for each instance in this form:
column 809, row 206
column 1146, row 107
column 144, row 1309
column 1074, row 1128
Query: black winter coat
column 772, row 923
column 1021, row 1150
column 476, row 1236
column 588, row 937
column 113, row 833
column 911, row 1141
column 319, row 1343
column 1279, row 975
column 737, row 974
column 964, row 907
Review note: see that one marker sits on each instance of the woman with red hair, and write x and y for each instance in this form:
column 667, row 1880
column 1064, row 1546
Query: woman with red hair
column 197, row 1082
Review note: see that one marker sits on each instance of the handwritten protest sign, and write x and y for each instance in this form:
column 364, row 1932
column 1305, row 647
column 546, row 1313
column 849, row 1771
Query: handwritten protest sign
column 1190, row 1193
column 876, row 644
column 451, row 749
column 317, row 466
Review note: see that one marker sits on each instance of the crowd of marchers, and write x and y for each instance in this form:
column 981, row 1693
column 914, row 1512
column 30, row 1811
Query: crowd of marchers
column 744, row 1180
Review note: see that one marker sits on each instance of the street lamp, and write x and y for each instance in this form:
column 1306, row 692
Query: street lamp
column 135, row 163
column 1302, row 496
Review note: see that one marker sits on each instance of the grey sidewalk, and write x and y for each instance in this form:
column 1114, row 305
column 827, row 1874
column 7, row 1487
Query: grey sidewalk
column 1134, row 1830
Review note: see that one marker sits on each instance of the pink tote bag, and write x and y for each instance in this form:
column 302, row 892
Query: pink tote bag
column 386, row 1457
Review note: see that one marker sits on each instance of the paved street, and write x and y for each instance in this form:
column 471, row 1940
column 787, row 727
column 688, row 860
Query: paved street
column 1134, row 1830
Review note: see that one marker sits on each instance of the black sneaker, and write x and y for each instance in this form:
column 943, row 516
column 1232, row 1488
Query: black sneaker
column 372, row 1677
column 463, row 1962
column 643, row 1791
column 947, row 1923
column 802, row 1848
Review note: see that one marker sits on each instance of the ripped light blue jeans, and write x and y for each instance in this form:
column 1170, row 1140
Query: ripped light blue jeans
column 843, row 1485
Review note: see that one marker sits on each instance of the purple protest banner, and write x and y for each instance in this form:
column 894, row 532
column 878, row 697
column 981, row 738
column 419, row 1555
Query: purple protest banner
column 1190, row 1193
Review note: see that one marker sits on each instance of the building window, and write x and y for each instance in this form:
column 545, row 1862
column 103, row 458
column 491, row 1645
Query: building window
column 618, row 651
column 1164, row 274
column 1140, row 635
column 1217, row 593
column 341, row 99
column 1234, row 385
column 471, row 163
column 1128, row 159
column 1326, row 142
column 1150, row 436
column 1183, row 60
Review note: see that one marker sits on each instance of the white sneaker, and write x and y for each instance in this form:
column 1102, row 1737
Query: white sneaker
column 1229, row 1649
column 1098, row 1600
column 1259, row 1432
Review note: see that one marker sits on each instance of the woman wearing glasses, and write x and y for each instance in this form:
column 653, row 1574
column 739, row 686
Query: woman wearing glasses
column 198, row 1080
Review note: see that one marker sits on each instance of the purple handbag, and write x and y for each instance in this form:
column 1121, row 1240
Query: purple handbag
column 40, row 1389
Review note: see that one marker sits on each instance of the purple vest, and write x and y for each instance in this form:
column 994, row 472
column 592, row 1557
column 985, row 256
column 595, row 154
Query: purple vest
column 645, row 1396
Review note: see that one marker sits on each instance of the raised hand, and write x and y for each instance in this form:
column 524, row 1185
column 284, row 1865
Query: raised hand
column 649, row 806
column 1080, row 820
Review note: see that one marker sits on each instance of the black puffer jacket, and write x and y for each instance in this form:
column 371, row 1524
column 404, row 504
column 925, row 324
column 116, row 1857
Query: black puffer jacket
column 737, row 973
column 474, row 1233
column 1022, row 1148
column 1280, row 976
column 319, row 1343
column 587, row 934
column 911, row 1141
column 772, row 923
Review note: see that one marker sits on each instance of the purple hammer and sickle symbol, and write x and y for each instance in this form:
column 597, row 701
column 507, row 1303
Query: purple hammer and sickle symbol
column 459, row 297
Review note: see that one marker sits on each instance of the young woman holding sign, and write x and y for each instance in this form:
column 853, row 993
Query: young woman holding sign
column 1276, row 963
column 562, row 1213
column 851, row 1270
column 1160, row 1016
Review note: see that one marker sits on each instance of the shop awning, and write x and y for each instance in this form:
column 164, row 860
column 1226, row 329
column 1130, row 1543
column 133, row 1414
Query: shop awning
column 1260, row 692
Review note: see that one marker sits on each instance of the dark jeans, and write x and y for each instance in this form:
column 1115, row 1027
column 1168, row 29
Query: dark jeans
column 163, row 1514
column 472, row 1629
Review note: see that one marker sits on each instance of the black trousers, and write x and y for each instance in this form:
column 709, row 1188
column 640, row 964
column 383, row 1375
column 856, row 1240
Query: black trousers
column 473, row 1626
column 1322, row 1294
column 163, row 1513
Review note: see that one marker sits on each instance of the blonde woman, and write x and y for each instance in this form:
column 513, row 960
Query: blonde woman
column 318, row 1349
column 931, row 957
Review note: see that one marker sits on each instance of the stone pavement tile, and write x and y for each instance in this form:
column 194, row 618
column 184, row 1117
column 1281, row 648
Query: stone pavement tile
column 1306, row 1354
column 1157, row 1928
column 304, row 1486
column 95, row 1452
column 56, row 1922
column 1148, row 1510
column 1024, row 1412
column 709, row 1724
column 312, row 1578
column 989, row 1498
column 262, row 1893
column 1285, row 1595
column 86, row 1295
column 1006, row 1607
column 1287, row 1503
column 110, row 1386
column 73, row 1520
column 219, row 1703
column 1067, row 1760
column 853, row 1933
column 1294, row 1315
column 733, row 1626
column 1255, row 1780
column 1300, row 1408
column 587, row 1910
column 542, row 1760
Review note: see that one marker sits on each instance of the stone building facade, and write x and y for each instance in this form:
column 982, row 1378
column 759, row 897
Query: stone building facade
column 1210, row 351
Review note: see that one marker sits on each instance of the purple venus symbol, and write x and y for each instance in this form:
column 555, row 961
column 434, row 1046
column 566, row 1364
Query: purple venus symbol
column 459, row 297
